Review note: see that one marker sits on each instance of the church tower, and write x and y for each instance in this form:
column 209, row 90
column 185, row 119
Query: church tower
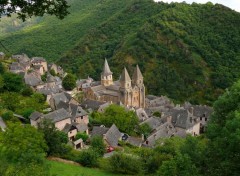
column 138, row 88
column 106, row 75
column 125, row 88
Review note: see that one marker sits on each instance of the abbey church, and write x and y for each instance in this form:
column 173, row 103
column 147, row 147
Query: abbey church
column 130, row 92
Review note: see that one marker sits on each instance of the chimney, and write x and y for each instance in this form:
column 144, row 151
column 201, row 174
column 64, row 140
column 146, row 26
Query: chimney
column 169, row 119
column 191, row 110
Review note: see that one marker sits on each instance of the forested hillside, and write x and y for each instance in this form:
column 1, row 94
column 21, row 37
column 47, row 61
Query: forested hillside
column 188, row 52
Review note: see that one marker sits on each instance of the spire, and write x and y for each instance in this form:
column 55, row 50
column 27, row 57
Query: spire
column 125, row 76
column 106, row 69
column 137, row 74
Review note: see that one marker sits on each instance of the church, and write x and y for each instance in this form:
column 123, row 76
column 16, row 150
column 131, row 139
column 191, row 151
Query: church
column 130, row 92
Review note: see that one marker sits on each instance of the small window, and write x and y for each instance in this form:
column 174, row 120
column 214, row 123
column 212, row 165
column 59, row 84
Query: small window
column 200, row 118
column 205, row 119
column 81, row 117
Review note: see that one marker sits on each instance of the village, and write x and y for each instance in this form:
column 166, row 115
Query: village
column 71, row 116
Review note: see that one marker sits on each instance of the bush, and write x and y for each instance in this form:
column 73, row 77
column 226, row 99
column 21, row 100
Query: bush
column 82, row 136
column 69, row 82
column 98, row 145
column 88, row 158
column 125, row 164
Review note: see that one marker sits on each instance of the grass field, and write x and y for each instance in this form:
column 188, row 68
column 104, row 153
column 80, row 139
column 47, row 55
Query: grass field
column 62, row 169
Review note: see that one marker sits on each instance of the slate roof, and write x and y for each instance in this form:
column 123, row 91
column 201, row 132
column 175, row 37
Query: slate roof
column 63, row 96
column 99, row 131
column 113, row 135
column 32, row 80
column 141, row 114
column 68, row 127
column 81, row 127
column 58, row 115
column 50, row 90
column 153, row 122
column 166, row 130
column 77, row 111
column 93, row 104
column 15, row 66
column 182, row 118
column 78, row 141
column 35, row 115
column 125, row 76
column 137, row 74
column 21, row 58
column 63, row 105
column 134, row 141
column 38, row 59
column 202, row 111
column 106, row 69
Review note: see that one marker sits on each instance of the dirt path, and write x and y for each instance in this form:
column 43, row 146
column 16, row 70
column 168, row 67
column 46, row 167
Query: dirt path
column 63, row 161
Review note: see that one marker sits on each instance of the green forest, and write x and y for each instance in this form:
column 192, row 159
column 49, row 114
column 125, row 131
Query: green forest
column 187, row 52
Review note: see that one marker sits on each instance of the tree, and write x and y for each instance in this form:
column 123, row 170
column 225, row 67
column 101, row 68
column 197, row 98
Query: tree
column 88, row 158
column 54, row 138
column 180, row 165
column 98, row 145
column 24, row 8
column 22, row 151
column 223, row 131
column 82, row 136
column 12, row 82
column 126, row 121
column 125, row 164
column 69, row 82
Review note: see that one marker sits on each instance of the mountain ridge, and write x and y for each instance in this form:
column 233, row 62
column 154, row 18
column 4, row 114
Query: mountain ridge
column 187, row 52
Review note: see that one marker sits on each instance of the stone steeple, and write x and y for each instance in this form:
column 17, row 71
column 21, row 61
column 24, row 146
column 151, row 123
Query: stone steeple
column 106, row 76
column 125, row 79
column 106, row 69
column 137, row 78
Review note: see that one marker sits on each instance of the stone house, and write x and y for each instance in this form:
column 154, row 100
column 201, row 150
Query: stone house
column 59, row 117
column 56, row 99
column 111, row 135
column 34, row 80
column 71, row 131
column 141, row 114
column 78, row 114
column 183, row 119
column 40, row 61
column 35, row 118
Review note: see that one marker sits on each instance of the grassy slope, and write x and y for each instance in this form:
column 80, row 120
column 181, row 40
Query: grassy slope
column 62, row 169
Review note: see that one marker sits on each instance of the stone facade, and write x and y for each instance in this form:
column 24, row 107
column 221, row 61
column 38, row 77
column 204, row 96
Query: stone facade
column 130, row 92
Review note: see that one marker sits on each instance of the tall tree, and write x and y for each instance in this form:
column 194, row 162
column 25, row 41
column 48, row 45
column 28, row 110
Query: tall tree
column 69, row 82
column 224, row 134
column 22, row 151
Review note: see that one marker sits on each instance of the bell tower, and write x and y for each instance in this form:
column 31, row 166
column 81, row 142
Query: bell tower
column 139, row 87
column 125, row 88
column 106, row 75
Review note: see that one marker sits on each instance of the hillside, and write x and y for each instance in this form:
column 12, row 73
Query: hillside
column 187, row 52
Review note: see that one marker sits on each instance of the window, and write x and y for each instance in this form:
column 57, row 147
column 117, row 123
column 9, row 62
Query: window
column 81, row 117
column 200, row 118
column 205, row 119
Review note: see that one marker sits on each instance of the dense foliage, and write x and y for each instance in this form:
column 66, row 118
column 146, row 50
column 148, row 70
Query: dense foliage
column 69, row 82
column 22, row 151
column 188, row 52
column 31, row 8
column 126, row 121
